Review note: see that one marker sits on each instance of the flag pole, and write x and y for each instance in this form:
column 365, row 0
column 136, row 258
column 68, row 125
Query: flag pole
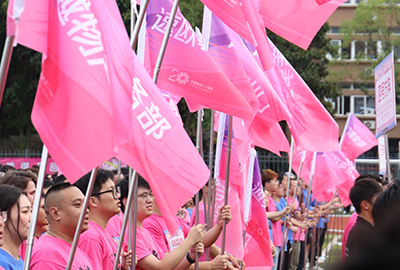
column 132, row 197
column 36, row 206
column 81, row 218
column 285, row 231
column 164, row 43
column 303, row 157
column 5, row 63
column 228, row 165
column 134, row 37
column 389, row 176
column 210, row 182
column 130, row 223
column 197, row 198
column 308, row 200
column 119, row 171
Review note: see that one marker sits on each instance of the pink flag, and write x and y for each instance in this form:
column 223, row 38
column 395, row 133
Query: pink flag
column 356, row 138
column 160, row 149
column 297, row 21
column 257, row 251
column 187, row 69
column 225, row 55
column 332, row 169
column 84, row 99
column 14, row 11
column 251, row 10
column 312, row 127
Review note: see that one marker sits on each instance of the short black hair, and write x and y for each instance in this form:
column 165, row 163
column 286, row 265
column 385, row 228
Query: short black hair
column 47, row 183
column 370, row 176
column 6, row 168
column 364, row 190
column 101, row 177
column 57, row 188
column 142, row 183
column 387, row 199
column 123, row 184
column 59, row 179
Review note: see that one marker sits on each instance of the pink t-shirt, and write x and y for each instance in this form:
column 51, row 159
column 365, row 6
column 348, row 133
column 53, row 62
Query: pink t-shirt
column 277, row 234
column 99, row 246
column 349, row 226
column 299, row 236
column 146, row 245
column 201, row 215
column 156, row 225
column 23, row 246
column 52, row 253
column 114, row 226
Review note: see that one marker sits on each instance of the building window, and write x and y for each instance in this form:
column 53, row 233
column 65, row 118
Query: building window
column 362, row 105
column 356, row 50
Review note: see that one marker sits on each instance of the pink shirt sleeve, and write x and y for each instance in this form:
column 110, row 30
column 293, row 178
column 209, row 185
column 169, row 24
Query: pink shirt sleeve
column 349, row 226
column 156, row 229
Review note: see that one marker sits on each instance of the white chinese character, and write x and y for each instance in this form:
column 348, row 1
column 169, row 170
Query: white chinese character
column 24, row 165
column 74, row 6
column 161, row 126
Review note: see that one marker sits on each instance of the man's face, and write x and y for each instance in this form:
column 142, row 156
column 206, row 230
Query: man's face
column 107, row 202
column 145, row 202
column 284, row 182
column 279, row 191
column 272, row 185
column 70, row 209
column 293, row 184
column 41, row 219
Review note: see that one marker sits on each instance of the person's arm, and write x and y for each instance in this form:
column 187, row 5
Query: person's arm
column 300, row 224
column 218, row 263
column 275, row 216
column 212, row 235
column 177, row 258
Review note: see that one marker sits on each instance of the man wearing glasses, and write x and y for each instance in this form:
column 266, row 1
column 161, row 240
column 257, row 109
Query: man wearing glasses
column 103, row 204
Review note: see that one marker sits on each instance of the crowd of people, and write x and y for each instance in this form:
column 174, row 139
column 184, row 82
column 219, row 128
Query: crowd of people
column 297, row 224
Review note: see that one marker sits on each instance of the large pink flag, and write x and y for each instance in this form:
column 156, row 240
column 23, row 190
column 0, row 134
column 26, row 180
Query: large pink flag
column 84, row 98
column 187, row 69
column 312, row 127
column 297, row 21
column 257, row 251
column 357, row 138
column 225, row 55
column 160, row 149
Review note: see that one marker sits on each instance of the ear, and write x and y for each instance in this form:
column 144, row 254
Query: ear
column 124, row 200
column 54, row 213
column 365, row 205
column 93, row 202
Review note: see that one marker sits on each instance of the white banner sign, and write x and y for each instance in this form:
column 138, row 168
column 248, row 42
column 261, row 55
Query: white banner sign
column 385, row 98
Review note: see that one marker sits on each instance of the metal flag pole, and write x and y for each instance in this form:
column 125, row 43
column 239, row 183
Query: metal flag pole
column 228, row 165
column 134, row 37
column 81, row 218
column 132, row 197
column 119, row 171
column 308, row 202
column 36, row 206
column 285, row 230
column 164, row 43
column 130, row 222
column 389, row 175
column 210, row 168
column 303, row 157
column 5, row 63
column 197, row 198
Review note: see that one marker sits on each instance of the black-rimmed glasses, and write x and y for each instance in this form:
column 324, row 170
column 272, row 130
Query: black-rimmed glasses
column 115, row 192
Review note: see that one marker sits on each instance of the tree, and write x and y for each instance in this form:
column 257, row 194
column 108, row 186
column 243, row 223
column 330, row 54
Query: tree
column 373, row 31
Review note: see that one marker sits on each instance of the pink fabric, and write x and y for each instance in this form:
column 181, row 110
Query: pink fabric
column 146, row 245
column 319, row 134
column 257, row 252
column 299, row 235
column 350, row 224
column 253, row 18
column 357, row 138
column 91, row 93
column 162, row 153
column 332, row 170
column 187, row 69
column 23, row 246
column 52, row 253
column 114, row 226
column 232, row 15
column 297, row 21
column 156, row 225
column 277, row 234
column 14, row 11
column 225, row 55
column 99, row 246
